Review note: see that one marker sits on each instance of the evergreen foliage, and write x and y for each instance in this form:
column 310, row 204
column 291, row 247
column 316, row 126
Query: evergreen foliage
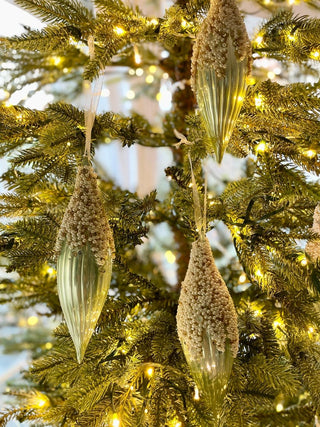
column 134, row 365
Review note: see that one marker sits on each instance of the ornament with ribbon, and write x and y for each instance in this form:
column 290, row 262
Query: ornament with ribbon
column 85, row 244
column 221, row 61
column 206, row 318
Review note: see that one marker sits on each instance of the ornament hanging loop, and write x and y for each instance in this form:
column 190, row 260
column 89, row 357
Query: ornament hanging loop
column 200, row 215
column 92, row 97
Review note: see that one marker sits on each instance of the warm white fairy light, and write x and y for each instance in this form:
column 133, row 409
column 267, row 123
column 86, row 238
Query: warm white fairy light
column 261, row 147
column 279, row 407
column 259, row 40
column 115, row 421
column 196, row 393
column 149, row 79
column 150, row 372
column 131, row 94
column 310, row 153
column 170, row 257
column 32, row 320
column 242, row 278
column 119, row 31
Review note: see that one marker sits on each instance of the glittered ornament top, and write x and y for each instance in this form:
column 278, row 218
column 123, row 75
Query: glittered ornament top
column 313, row 247
column 84, row 221
column 205, row 305
column 222, row 23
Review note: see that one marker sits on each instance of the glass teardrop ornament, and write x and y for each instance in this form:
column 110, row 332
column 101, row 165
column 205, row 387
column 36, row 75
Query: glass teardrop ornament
column 220, row 99
column 211, row 373
column 82, row 287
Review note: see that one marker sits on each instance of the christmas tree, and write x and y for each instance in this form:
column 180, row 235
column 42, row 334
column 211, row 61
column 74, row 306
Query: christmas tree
column 138, row 366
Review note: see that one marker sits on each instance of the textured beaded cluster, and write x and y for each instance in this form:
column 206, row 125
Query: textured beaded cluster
column 313, row 247
column 210, row 50
column 205, row 305
column 85, row 221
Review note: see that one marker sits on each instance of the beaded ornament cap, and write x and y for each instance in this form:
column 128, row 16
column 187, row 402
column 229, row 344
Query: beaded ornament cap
column 85, row 221
column 313, row 247
column 205, row 304
column 210, row 50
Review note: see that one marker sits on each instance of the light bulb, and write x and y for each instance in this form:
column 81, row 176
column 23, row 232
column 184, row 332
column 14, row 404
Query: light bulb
column 150, row 372
column 261, row 147
column 119, row 31
column 115, row 421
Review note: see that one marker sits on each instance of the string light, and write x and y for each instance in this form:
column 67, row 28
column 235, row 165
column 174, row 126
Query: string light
column 55, row 60
column 170, row 257
column 303, row 261
column 258, row 100
column 105, row 92
column 38, row 400
column 32, row 320
column 51, row 271
column 165, row 76
column 259, row 40
column 48, row 346
column 137, row 56
column 150, row 372
column 279, row 407
column 139, row 72
column 131, row 94
column 154, row 21
column 119, row 31
column 152, row 69
column 276, row 324
column 251, row 80
column 271, row 75
column 149, row 79
column 261, row 147
column 310, row 153
column 311, row 330
column 258, row 273
column 115, row 421
column 242, row 278
column 184, row 23
column 291, row 37
column 257, row 312
column 196, row 393
column 315, row 54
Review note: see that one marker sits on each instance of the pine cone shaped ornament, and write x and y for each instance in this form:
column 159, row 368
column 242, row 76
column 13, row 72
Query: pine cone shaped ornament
column 221, row 61
column 207, row 325
column 85, row 246
column 313, row 247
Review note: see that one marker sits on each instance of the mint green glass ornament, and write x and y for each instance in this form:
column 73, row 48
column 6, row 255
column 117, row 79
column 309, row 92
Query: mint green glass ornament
column 82, row 287
column 220, row 99
column 211, row 374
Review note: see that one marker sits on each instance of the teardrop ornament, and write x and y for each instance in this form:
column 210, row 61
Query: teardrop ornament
column 85, row 250
column 221, row 61
column 207, row 325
